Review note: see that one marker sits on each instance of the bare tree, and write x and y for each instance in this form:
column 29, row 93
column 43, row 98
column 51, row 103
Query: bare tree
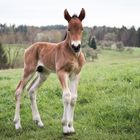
column 12, row 53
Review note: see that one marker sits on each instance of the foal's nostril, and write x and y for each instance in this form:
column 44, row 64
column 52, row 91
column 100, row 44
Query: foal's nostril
column 79, row 45
column 76, row 48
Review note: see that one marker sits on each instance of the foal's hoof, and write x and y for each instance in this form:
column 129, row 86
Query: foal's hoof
column 17, row 124
column 72, row 130
column 39, row 123
column 68, row 131
column 66, row 134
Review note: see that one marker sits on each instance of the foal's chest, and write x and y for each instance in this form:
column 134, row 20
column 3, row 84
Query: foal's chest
column 72, row 67
column 70, row 63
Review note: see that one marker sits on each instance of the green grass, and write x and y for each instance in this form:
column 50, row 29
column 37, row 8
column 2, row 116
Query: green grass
column 108, row 106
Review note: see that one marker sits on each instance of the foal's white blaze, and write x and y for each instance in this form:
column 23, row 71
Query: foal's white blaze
column 76, row 43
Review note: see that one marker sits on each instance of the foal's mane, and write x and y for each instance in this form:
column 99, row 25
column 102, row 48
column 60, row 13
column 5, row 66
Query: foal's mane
column 74, row 16
column 65, row 36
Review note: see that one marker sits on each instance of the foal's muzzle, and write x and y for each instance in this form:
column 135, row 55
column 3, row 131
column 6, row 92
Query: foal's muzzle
column 76, row 45
column 76, row 48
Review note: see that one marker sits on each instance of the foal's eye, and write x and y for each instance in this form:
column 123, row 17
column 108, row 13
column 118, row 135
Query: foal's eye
column 69, row 30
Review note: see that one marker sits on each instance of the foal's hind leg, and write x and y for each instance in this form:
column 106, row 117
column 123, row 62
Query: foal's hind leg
column 40, row 78
column 19, row 89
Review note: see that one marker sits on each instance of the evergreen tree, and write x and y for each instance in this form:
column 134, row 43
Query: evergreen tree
column 92, row 43
column 132, row 37
column 3, row 58
column 138, row 37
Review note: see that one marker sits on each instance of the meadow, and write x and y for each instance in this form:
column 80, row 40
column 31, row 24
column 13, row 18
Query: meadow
column 108, row 106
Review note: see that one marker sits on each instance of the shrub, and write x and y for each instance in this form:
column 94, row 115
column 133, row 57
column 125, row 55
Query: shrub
column 89, row 53
column 105, row 44
column 120, row 46
column 113, row 46
column 129, row 50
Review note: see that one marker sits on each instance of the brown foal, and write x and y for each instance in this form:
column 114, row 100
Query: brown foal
column 64, row 58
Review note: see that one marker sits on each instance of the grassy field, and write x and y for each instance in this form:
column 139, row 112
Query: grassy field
column 108, row 106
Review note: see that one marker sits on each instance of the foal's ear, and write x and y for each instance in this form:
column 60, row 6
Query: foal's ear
column 82, row 14
column 66, row 15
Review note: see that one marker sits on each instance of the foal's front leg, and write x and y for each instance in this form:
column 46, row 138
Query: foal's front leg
column 74, row 79
column 63, row 77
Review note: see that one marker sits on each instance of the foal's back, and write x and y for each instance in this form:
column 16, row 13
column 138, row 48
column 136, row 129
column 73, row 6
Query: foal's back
column 41, row 53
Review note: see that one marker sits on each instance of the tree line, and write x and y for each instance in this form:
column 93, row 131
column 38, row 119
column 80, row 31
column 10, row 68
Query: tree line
column 24, row 34
column 128, row 36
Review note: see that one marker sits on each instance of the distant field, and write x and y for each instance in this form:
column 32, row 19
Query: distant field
column 108, row 106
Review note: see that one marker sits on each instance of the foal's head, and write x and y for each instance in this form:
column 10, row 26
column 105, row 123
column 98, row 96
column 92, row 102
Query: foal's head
column 75, row 29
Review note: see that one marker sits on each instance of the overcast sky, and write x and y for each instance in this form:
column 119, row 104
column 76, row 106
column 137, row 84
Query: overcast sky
column 50, row 12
